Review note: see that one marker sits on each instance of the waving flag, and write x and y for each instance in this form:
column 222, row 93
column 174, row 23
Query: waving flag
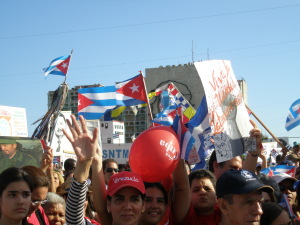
column 293, row 118
column 166, row 117
column 93, row 102
column 291, row 170
column 184, row 136
column 200, row 129
column 58, row 66
column 131, row 92
column 176, row 98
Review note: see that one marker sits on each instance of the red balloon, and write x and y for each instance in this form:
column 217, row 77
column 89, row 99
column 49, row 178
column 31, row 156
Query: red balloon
column 155, row 153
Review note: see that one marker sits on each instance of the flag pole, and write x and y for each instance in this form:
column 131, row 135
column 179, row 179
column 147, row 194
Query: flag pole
column 69, row 66
column 148, row 103
column 275, row 138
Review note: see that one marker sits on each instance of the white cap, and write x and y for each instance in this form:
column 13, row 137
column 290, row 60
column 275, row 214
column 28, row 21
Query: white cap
column 282, row 176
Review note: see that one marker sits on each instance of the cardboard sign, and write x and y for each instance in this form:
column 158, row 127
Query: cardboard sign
column 228, row 116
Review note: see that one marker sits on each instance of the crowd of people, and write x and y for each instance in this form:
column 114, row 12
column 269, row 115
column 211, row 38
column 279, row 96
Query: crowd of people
column 91, row 190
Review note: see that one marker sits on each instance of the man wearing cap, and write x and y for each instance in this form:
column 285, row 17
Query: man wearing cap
column 286, row 186
column 239, row 194
column 12, row 155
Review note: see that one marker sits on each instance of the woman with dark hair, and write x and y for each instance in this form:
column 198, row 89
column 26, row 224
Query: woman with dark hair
column 41, row 183
column 156, row 202
column 274, row 214
column 15, row 196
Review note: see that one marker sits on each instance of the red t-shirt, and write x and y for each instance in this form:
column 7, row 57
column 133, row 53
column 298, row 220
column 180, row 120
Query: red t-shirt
column 34, row 220
column 193, row 219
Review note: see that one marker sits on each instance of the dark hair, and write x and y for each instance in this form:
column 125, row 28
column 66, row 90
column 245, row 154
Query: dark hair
column 202, row 173
column 271, row 210
column 212, row 159
column 265, row 179
column 106, row 161
column 158, row 186
column 14, row 174
column 69, row 165
column 39, row 178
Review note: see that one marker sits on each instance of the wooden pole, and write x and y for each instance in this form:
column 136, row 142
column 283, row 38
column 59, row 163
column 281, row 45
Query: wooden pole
column 275, row 138
column 148, row 102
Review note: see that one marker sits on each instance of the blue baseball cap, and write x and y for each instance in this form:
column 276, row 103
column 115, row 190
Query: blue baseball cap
column 239, row 182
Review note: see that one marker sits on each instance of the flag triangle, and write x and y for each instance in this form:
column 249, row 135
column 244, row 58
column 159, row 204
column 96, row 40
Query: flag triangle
column 83, row 102
column 135, row 89
column 64, row 65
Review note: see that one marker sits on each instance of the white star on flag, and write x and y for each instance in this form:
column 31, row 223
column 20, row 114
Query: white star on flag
column 134, row 88
column 79, row 102
column 64, row 65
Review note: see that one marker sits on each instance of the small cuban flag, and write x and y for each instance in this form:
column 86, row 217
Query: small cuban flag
column 58, row 66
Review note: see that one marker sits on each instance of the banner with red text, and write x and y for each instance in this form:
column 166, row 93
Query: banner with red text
column 228, row 116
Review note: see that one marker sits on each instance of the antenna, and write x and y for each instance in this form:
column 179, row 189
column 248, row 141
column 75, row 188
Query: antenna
column 193, row 51
column 207, row 53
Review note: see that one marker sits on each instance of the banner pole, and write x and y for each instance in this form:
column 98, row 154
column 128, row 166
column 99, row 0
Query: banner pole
column 275, row 138
column 148, row 103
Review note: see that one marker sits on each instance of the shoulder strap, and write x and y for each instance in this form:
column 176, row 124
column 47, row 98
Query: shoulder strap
column 40, row 217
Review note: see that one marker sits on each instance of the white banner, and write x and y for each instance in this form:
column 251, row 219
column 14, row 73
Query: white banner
column 13, row 121
column 228, row 115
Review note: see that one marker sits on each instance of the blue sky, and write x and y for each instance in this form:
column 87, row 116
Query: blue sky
column 113, row 40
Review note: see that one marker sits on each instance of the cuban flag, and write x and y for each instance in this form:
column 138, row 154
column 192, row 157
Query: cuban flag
column 131, row 92
column 291, row 170
column 293, row 118
column 184, row 136
column 58, row 66
column 201, row 131
column 116, row 136
column 94, row 102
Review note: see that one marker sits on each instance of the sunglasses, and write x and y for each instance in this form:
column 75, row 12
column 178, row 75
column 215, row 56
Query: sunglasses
column 35, row 203
column 284, row 188
column 109, row 170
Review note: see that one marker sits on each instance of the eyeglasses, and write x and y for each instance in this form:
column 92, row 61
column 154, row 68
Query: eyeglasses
column 109, row 170
column 284, row 188
column 35, row 203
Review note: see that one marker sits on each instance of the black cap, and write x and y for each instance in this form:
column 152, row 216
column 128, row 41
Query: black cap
column 239, row 182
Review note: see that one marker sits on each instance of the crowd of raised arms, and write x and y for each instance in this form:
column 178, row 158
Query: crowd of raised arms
column 91, row 190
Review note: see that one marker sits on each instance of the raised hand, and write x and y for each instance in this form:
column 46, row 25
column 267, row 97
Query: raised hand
column 84, row 145
column 256, row 133
column 47, row 160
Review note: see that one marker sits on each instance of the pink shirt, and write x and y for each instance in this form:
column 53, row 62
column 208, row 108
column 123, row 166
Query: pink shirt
column 34, row 220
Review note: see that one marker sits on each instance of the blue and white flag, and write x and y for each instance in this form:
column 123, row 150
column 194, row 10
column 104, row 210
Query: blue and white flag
column 293, row 118
column 200, row 129
column 184, row 136
column 93, row 102
column 291, row 170
column 58, row 66
column 116, row 136
column 166, row 117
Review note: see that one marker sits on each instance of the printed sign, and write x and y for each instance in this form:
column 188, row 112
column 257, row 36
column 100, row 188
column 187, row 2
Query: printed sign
column 13, row 121
column 19, row 152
